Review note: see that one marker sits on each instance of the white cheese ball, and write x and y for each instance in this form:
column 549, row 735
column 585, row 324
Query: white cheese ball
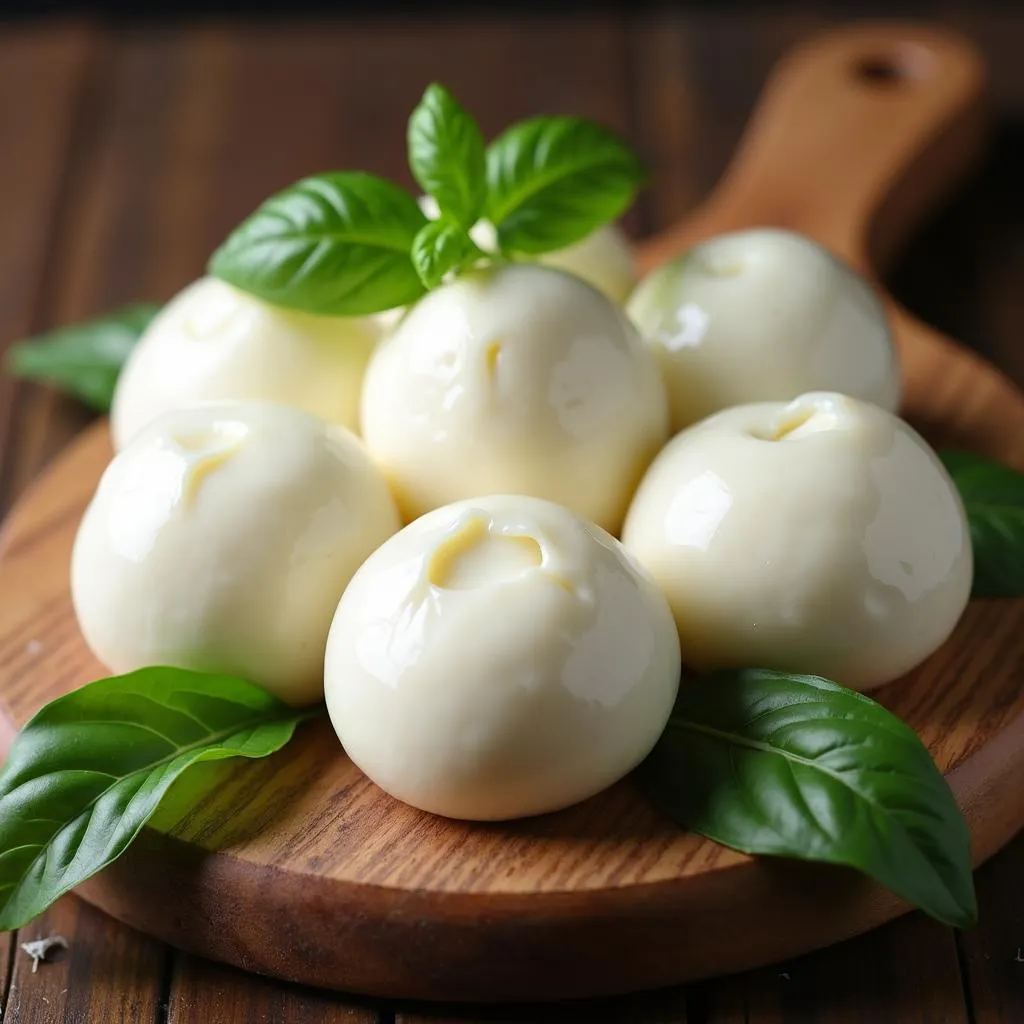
column 822, row 536
column 213, row 342
column 604, row 259
column 498, row 658
column 221, row 540
column 519, row 379
column 763, row 315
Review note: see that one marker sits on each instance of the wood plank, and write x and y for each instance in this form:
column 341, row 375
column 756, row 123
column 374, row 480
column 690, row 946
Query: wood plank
column 963, row 271
column 904, row 973
column 102, row 236
column 667, row 1006
column 993, row 953
column 696, row 75
column 202, row 991
column 666, row 121
column 107, row 973
column 7, row 940
column 48, row 65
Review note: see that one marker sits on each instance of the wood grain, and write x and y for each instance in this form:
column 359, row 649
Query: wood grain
column 993, row 953
column 50, row 66
column 108, row 972
column 183, row 153
column 7, row 945
column 605, row 896
column 667, row 1006
column 207, row 993
column 904, row 973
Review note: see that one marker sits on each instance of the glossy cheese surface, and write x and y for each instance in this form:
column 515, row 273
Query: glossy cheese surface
column 213, row 342
column 500, row 657
column 819, row 536
column 222, row 538
column 763, row 315
column 520, row 379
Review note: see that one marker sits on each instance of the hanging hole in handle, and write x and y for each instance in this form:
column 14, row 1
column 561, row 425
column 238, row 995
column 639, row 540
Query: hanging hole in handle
column 882, row 72
column 893, row 70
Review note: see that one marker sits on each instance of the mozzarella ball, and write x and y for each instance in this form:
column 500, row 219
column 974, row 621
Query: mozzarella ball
column 763, row 315
column 221, row 539
column 822, row 536
column 604, row 258
column 213, row 342
column 518, row 379
column 498, row 658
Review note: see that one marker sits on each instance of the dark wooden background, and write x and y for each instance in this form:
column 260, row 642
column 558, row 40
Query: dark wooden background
column 126, row 153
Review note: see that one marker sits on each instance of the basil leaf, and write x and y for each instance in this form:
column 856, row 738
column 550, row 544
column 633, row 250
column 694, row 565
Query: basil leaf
column 993, row 495
column 796, row 766
column 446, row 155
column 440, row 247
column 84, row 359
column 87, row 772
column 336, row 244
column 553, row 180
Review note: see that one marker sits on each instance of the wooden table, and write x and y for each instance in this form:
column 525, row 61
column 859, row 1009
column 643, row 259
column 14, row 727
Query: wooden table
column 127, row 153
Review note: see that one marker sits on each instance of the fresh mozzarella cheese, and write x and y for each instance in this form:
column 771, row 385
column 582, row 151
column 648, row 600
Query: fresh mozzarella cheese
column 213, row 342
column 604, row 259
column 822, row 536
column 763, row 315
column 518, row 379
column 500, row 657
column 221, row 539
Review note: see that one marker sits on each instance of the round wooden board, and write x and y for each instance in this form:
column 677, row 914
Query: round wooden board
column 299, row 867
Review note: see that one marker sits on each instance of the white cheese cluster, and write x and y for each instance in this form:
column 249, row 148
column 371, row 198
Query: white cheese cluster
column 504, row 654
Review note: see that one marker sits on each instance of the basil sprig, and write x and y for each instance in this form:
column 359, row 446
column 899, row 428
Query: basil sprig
column 84, row 360
column 441, row 247
column 347, row 244
column 446, row 156
column 796, row 766
column 88, row 771
column 993, row 496
column 335, row 244
column 551, row 181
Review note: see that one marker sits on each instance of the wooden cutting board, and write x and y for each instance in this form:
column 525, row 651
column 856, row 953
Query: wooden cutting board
column 298, row 867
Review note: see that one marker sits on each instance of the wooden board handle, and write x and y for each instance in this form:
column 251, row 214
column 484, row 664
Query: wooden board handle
column 857, row 132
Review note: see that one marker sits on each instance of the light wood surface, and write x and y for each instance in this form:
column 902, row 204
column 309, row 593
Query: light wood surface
column 299, row 867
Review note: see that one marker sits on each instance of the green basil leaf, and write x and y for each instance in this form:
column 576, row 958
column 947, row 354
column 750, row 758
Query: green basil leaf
column 553, row 180
column 993, row 495
column 335, row 244
column 89, row 769
column 84, row 359
column 796, row 766
column 446, row 155
column 440, row 247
